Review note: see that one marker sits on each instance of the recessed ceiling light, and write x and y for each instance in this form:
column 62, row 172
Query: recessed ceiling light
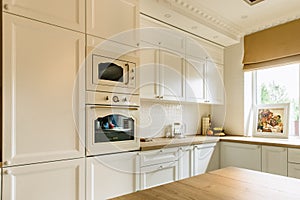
column 168, row 15
column 252, row 2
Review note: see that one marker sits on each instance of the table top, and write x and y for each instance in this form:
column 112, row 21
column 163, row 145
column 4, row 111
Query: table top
column 228, row 183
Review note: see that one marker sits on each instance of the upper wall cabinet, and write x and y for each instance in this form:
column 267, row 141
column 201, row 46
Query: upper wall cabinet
column 202, row 49
column 42, row 108
column 67, row 13
column 215, row 92
column 114, row 20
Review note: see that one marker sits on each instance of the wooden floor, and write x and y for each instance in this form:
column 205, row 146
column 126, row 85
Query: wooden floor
column 228, row 183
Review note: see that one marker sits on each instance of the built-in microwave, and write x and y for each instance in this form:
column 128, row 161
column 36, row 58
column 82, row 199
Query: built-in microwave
column 117, row 75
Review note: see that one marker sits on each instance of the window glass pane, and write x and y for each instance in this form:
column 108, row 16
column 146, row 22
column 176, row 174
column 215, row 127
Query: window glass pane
column 280, row 85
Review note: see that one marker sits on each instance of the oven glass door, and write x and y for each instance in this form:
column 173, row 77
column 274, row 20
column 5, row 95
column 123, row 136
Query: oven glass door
column 110, row 72
column 113, row 127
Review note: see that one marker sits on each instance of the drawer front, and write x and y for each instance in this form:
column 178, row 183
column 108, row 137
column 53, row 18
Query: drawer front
column 159, row 156
column 294, row 155
column 294, row 170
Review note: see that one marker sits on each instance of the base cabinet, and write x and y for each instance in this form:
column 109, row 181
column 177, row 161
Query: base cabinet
column 214, row 162
column 202, row 157
column 159, row 174
column 241, row 155
column 186, row 162
column 110, row 176
column 158, row 167
column 274, row 160
column 294, row 162
column 63, row 180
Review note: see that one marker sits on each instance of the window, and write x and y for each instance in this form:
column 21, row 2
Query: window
column 280, row 85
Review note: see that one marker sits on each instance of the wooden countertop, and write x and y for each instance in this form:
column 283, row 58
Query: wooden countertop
column 158, row 143
column 227, row 184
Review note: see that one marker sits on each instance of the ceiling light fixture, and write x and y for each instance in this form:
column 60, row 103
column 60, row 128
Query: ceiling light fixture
column 252, row 2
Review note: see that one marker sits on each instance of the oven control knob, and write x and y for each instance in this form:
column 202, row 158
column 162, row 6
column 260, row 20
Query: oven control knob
column 125, row 99
column 115, row 99
column 106, row 98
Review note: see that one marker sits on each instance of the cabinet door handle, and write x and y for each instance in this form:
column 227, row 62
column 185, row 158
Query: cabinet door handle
column 6, row 163
column 161, row 167
column 7, row 172
column 5, row 6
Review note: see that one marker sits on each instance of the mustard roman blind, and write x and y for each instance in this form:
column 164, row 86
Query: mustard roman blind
column 272, row 47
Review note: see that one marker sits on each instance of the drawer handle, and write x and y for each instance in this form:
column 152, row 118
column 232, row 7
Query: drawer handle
column 161, row 167
column 161, row 151
column 6, row 163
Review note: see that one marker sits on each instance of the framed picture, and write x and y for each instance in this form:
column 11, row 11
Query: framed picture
column 272, row 120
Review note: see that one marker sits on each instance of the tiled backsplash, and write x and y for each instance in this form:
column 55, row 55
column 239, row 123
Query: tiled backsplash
column 155, row 117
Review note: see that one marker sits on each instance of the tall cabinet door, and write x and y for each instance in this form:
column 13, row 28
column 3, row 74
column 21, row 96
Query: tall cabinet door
column 172, row 80
column 66, row 13
column 111, row 19
column 47, row 181
column 41, row 111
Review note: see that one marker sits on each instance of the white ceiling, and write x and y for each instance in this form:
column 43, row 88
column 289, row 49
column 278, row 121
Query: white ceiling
column 223, row 22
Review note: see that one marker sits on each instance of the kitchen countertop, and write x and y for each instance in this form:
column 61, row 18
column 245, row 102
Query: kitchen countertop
column 158, row 143
column 227, row 183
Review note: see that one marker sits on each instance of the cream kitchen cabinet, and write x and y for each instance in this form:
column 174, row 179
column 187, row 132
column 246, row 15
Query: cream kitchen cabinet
column 274, row 160
column 214, row 162
column 42, row 107
column 215, row 92
column 202, row 156
column 116, row 20
column 162, row 75
column 240, row 155
column 195, row 80
column 158, row 167
column 54, row 180
column 294, row 162
column 68, row 13
column 159, row 34
column 186, row 162
column 112, row 175
column 203, row 49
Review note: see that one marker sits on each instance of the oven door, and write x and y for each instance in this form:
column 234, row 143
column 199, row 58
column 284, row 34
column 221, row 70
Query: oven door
column 111, row 129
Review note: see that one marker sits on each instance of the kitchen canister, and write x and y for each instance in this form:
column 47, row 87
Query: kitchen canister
column 205, row 124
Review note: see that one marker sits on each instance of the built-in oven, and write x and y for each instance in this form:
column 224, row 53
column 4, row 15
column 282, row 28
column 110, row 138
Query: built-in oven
column 111, row 123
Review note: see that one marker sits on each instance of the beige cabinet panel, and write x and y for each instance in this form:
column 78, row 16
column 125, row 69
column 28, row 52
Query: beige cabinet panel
column 214, row 162
column 67, row 13
column 202, row 156
column 111, row 19
column 215, row 91
column 195, row 80
column 41, row 111
column 274, row 160
column 110, row 176
column 172, row 73
column 186, row 162
column 240, row 155
column 63, row 180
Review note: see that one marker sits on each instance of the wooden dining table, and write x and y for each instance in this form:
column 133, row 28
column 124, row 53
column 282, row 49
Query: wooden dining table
column 229, row 183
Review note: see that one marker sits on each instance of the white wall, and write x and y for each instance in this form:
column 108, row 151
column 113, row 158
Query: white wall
column 156, row 117
column 234, row 88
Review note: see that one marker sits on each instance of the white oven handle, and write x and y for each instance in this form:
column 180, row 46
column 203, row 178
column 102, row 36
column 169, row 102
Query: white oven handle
column 118, row 107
